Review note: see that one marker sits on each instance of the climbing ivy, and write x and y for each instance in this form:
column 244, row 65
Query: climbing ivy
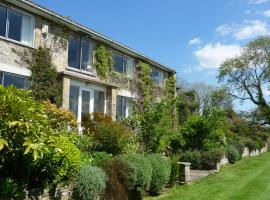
column 103, row 61
column 170, row 86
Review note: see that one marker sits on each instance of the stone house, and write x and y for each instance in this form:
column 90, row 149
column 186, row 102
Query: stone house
column 24, row 26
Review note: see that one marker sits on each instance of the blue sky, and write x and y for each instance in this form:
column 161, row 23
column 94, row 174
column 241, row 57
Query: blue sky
column 191, row 36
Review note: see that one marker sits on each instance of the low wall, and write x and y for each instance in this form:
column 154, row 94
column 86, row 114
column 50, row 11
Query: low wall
column 245, row 152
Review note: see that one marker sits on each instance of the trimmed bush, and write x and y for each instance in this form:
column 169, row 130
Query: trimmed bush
column 233, row 154
column 193, row 157
column 91, row 182
column 142, row 170
column 119, row 181
column 161, row 173
column 98, row 157
column 239, row 146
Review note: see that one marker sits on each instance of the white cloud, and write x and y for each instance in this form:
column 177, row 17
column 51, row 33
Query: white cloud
column 266, row 13
column 194, row 41
column 212, row 55
column 249, row 29
column 257, row 1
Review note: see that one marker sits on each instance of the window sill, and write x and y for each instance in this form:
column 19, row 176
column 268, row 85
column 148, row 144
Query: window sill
column 16, row 42
column 81, row 71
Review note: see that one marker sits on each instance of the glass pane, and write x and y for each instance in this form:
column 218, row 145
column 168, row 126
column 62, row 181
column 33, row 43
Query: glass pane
column 119, row 108
column 3, row 19
column 27, row 30
column 99, row 98
column 129, row 109
column 74, row 99
column 86, row 55
column 118, row 63
column 1, row 78
column 85, row 104
column 15, row 25
column 17, row 81
column 74, row 52
column 129, row 66
column 155, row 76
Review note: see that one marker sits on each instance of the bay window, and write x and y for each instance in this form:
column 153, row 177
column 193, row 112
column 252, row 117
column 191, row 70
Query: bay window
column 8, row 79
column 123, row 107
column 80, row 53
column 157, row 76
column 16, row 25
column 123, row 64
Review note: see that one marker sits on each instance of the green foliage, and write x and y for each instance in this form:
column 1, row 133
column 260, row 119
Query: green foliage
column 119, row 181
column 91, row 182
column 239, row 145
column 193, row 157
column 84, row 143
column 170, row 87
column 142, row 170
column 111, row 137
column 160, row 174
column 60, row 118
column 233, row 154
column 97, row 158
column 59, row 163
column 90, row 122
column 252, row 145
column 46, row 82
column 103, row 61
column 157, row 127
column 175, row 169
column 9, row 189
column 205, row 132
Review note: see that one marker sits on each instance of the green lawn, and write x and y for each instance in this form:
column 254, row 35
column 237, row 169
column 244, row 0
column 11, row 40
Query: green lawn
column 248, row 179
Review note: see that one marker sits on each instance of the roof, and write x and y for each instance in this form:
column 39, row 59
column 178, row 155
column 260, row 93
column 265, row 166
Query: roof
column 47, row 13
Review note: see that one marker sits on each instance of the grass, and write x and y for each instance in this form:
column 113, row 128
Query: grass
column 248, row 179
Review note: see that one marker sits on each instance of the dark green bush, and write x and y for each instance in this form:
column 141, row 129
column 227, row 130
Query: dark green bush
column 111, row 137
column 233, row 154
column 9, row 189
column 119, row 181
column 142, row 170
column 91, row 182
column 239, row 146
column 175, row 169
column 193, row 157
column 161, row 173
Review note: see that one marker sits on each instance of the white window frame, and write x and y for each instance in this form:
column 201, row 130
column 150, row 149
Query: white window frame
column 7, row 25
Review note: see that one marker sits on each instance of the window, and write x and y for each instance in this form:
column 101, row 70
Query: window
column 7, row 79
column 123, row 64
column 74, row 99
column 16, row 25
column 99, row 100
column 80, row 53
column 157, row 77
column 123, row 107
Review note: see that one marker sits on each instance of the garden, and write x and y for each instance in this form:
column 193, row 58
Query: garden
column 41, row 150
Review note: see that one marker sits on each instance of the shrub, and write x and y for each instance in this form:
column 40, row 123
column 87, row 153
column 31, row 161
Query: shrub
column 193, row 157
column 252, row 145
column 60, row 118
column 9, row 189
column 160, row 174
column 119, row 181
column 175, row 169
column 142, row 170
column 233, row 154
column 239, row 146
column 59, row 164
column 91, row 182
column 98, row 157
column 84, row 143
column 212, row 157
column 91, row 120
column 111, row 137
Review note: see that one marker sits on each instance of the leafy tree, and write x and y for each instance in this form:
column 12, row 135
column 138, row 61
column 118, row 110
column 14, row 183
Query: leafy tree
column 221, row 99
column 46, row 82
column 248, row 74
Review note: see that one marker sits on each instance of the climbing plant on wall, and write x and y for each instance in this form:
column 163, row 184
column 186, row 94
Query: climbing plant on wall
column 103, row 61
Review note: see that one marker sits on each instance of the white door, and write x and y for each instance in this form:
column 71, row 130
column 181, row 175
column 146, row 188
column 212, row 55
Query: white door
column 86, row 103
